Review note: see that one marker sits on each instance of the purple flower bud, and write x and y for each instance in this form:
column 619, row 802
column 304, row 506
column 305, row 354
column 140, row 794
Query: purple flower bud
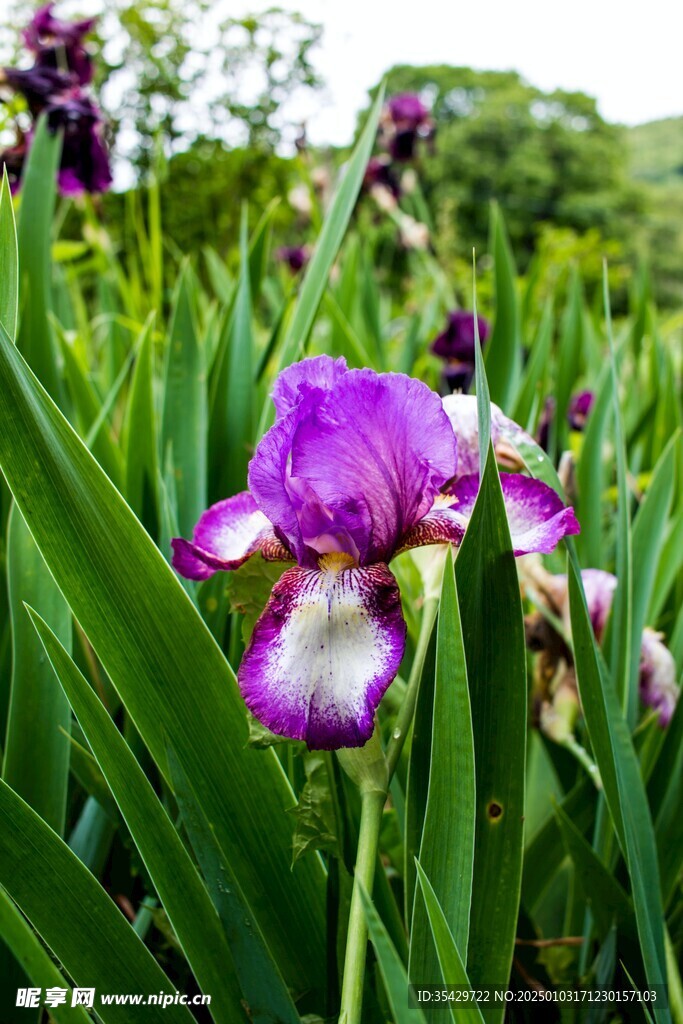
column 295, row 256
column 58, row 43
column 579, row 408
column 405, row 120
column 38, row 85
column 457, row 341
column 85, row 161
column 545, row 422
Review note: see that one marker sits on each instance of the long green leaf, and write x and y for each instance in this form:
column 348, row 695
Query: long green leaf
column 170, row 674
column 9, row 260
column 453, row 970
column 140, row 436
column 447, row 846
column 36, row 963
column 38, row 190
column 259, row 977
column 36, row 762
column 391, row 967
column 175, row 877
column 493, row 631
column 623, row 785
column 82, row 926
column 504, row 350
column 185, row 417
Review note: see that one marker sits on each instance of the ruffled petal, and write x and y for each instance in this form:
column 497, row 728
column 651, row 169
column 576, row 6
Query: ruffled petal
column 441, row 525
column 376, row 451
column 536, row 516
column 322, row 654
column 505, row 434
column 318, row 372
column 227, row 534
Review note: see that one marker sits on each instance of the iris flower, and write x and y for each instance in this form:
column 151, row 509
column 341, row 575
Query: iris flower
column 455, row 345
column 59, row 44
column 356, row 469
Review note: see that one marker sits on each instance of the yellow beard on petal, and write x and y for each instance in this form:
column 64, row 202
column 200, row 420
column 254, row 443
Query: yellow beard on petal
column 336, row 561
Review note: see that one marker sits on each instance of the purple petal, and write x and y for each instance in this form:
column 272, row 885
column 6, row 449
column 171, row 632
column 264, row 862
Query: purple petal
column 599, row 587
column 457, row 341
column 376, row 451
column 505, row 433
column 322, row 654
column 227, row 534
column 319, row 372
column 441, row 525
column 658, row 687
column 536, row 516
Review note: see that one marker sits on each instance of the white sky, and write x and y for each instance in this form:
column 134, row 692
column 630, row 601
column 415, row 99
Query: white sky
column 627, row 55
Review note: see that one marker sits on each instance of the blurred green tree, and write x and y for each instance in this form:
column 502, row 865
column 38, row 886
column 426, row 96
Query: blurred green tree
column 544, row 157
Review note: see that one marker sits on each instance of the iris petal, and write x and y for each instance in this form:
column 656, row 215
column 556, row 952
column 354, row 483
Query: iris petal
column 536, row 516
column 322, row 654
column 318, row 372
column 505, row 433
column 376, row 451
column 227, row 534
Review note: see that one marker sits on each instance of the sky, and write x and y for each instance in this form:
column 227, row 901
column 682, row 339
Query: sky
column 628, row 56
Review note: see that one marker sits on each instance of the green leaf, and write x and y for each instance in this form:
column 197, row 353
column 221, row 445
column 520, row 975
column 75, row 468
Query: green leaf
column 140, row 436
column 34, row 960
column 493, row 630
column 316, row 826
column 184, row 420
column 447, row 846
column 38, row 190
column 172, row 678
column 590, row 475
column 391, row 967
column 249, row 587
column 261, row 981
column 82, row 926
column 571, row 343
column 532, row 386
column 453, row 970
column 504, row 350
column 175, row 877
column 231, row 425
column 604, row 895
column 36, row 763
column 623, row 785
column 9, row 260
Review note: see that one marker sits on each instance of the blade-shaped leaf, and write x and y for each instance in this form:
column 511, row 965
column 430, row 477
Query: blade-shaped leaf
column 170, row 674
column 175, row 877
column 9, row 260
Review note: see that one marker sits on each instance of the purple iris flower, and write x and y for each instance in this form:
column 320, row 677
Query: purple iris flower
column 59, row 44
column 405, row 120
column 455, row 345
column 85, row 162
column 295, row 256
column 356, row 468
column 39, row 86
column 579, row 407
column 380, row 172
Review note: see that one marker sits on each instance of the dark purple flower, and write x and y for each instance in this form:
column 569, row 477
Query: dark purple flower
column 351, row 473
column 59, row 44
column 295, row 256
column 405, row 120
column 85, row 162
column 545, row 423
column 39, row 86
column 579, row 407
column 408, row 111
column 380, row 172
column 457, row 341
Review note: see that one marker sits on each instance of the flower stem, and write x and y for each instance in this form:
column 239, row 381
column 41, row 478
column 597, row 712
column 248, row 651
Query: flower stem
column 372, row 805
column 405, row 715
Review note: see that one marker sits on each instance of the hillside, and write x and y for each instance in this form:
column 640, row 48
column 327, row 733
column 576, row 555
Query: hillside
column 656, row 150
